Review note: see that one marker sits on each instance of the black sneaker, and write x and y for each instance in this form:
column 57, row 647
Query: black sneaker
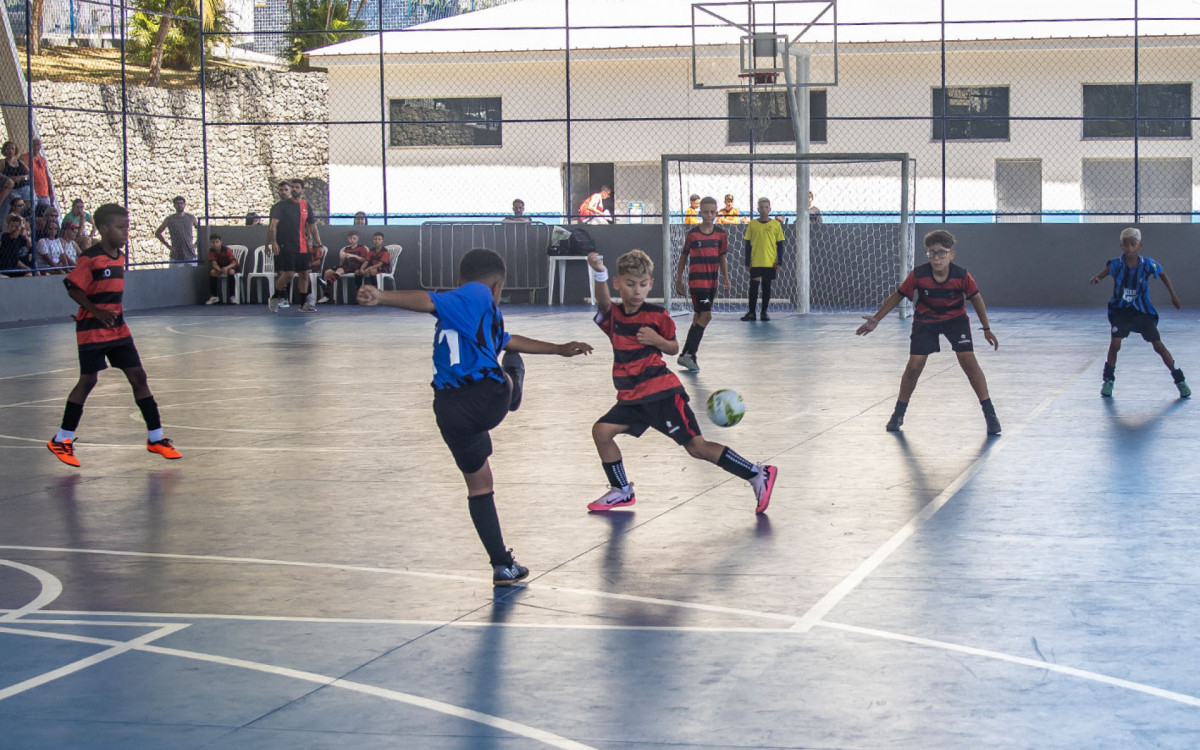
column 507, row 575
column 894, row 423
column 764, row 317
column 993, row 424
column 515, row 367
column 749, row 316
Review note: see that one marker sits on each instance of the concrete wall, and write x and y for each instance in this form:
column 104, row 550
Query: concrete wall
column 45, row 298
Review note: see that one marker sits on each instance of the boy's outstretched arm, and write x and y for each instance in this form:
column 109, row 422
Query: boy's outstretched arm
column 1096, row 279
column 600, row 291
column 407, row 299
column 884, row 309
column 1174, row 297
column 524, row 345
column 981, row 311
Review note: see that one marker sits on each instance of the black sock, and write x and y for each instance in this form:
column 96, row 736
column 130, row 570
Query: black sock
column 71, row 416
column 692, row 344
column 987, row 407
column 230, row 288
column 736, row 465
column 753, row 294
column 615, row 472
column 149, row 409
column 1110, row 371
column 487, row 525
column 1177, row 374
column 901, row 407
column 214, row 288
column 766, row 295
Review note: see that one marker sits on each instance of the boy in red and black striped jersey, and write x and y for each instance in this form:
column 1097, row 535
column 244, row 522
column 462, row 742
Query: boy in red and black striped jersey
column 703, row 254
column 97, row 285
column 648, row 394
column 940, row 291
column 222, row 265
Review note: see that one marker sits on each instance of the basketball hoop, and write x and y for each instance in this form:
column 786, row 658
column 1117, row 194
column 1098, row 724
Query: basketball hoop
column 759, row 78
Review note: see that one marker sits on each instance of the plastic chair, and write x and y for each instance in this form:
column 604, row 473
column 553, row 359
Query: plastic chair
column 239, row 252
column 262, row 267
column 394, row 254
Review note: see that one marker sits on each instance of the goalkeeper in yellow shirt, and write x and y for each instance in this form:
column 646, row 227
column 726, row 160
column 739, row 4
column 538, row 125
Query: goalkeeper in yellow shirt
column 764, row 254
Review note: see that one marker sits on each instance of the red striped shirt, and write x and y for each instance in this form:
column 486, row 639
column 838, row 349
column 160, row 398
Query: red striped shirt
column 703, row 253
column 639, row 372
column 937, row 301
column 102, row 278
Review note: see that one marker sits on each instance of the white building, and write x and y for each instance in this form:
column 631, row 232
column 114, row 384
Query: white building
column 510, row 62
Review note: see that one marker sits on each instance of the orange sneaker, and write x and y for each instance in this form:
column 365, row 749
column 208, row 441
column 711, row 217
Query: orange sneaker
column 163, row 448
column 64, row 450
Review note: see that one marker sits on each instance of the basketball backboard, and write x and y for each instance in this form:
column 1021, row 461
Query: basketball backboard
column 736, row 43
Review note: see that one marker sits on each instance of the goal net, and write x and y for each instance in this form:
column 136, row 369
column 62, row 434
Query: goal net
column 848, row 254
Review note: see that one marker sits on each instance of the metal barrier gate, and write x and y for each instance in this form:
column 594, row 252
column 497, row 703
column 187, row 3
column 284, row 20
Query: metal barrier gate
column 521, row 244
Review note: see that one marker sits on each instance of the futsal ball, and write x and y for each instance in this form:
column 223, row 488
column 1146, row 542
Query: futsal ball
column 726, row 408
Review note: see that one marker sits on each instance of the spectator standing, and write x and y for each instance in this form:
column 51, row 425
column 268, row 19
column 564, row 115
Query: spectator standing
column 518, row 214
column 43, row 186
column 814, row 213
column 729, row 214
column 182, row 227
column 18, row 173
column 293, row 229
column 692, row 214
column 16, row 255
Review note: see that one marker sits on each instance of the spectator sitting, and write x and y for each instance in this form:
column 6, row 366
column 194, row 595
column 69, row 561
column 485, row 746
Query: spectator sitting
column 43, row 186
column 378, row 261
column 19, row 206
column 594, row 210
column 16, row 257
column 85, row 227
column 518, row 214
column 52, row 257
column 814, row 213
column 70, row 246
column 12, row 168
column 350, row 260
column 360, row 219
column 253, row 219
column 316, row 257
column 45, row 215
column 729, row 214
column 222, row 264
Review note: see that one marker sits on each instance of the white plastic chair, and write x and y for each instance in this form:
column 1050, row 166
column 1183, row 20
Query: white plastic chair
column 239, row 252
column 394, row 254
column 262, row 267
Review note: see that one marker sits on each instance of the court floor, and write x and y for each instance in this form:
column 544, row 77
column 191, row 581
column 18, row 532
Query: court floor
column 307, row 576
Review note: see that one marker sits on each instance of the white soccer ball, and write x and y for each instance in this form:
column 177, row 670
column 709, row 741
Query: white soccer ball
column 726, row 407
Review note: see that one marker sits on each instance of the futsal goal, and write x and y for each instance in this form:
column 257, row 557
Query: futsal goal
column 849, row 259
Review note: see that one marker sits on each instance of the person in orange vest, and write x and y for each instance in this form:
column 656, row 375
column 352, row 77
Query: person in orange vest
column 593, row 209
column 43, row 186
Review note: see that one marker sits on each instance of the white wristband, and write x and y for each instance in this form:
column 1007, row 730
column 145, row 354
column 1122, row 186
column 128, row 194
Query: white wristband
column 600, row 275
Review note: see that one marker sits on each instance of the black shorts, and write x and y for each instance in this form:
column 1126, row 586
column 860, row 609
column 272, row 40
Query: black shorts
column 464, row 416
column 670, row 415
column 1126, row 320
column 925, row 336
column 288, row 260
column 766, row 273
column 702, row 299
column 122, row 356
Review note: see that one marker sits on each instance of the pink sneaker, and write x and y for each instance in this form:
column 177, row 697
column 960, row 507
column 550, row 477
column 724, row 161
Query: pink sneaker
column 614, row 498
column 763, row 482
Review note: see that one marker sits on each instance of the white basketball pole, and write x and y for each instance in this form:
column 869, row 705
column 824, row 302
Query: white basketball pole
column 800, row 123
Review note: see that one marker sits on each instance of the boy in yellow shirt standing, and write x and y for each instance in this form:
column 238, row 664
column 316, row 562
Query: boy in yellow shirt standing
column 764, row 254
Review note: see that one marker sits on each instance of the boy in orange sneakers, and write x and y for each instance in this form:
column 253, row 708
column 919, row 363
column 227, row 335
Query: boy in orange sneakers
column 648, row 394
column 97, row 284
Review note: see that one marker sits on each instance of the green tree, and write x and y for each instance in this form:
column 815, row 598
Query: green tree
column 318, row 23
column 187, row 34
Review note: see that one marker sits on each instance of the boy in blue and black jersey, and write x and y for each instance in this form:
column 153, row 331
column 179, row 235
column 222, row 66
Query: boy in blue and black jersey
column 473, row 389
column 1130, row 309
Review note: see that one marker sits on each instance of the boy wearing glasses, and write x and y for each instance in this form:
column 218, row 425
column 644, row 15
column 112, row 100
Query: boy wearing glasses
column 940, row 291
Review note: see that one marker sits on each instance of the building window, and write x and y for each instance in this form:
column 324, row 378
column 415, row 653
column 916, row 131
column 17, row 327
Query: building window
column 444, row 122
column 972, row 113
column 1164, row 189
column 1155, row 100
column 770, row 119
column 1018, row 190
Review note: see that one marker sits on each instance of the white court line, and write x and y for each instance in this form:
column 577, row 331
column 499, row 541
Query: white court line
column 172, row 329
column 449, row 709
column 817, row 612
column 790, row 619
column 118, row 648
column 52, row 588
column 1138, row 687
column 187, row 447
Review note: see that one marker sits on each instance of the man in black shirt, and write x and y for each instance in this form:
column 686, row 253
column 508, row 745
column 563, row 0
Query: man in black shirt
column 293, row 229
column 16, row 255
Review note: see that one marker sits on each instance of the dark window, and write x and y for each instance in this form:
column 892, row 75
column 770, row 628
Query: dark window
column 444, row 122
column 770, row 119
column 973, row 113
column 1155, row 100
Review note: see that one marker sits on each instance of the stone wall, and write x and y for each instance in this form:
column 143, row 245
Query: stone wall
column 165, row 150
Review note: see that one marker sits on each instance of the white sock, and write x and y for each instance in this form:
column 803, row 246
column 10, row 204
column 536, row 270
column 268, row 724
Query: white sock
column 153, row 436
column 64, row 435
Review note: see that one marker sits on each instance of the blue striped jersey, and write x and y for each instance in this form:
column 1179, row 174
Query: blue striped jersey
column 469, row 336
column 1131, row 286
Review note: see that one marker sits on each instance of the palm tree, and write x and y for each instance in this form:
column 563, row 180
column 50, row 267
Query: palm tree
column 209, row 10
column 35, row 26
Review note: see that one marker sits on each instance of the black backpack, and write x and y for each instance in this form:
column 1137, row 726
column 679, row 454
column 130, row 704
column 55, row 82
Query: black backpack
column 581, row 243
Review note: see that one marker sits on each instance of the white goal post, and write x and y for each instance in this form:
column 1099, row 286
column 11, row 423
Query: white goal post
column 849, row 259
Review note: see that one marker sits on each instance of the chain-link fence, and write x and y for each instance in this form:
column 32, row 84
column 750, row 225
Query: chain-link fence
column 1031, row 112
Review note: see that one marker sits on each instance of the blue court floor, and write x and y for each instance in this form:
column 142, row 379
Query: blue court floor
column 307, row 576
